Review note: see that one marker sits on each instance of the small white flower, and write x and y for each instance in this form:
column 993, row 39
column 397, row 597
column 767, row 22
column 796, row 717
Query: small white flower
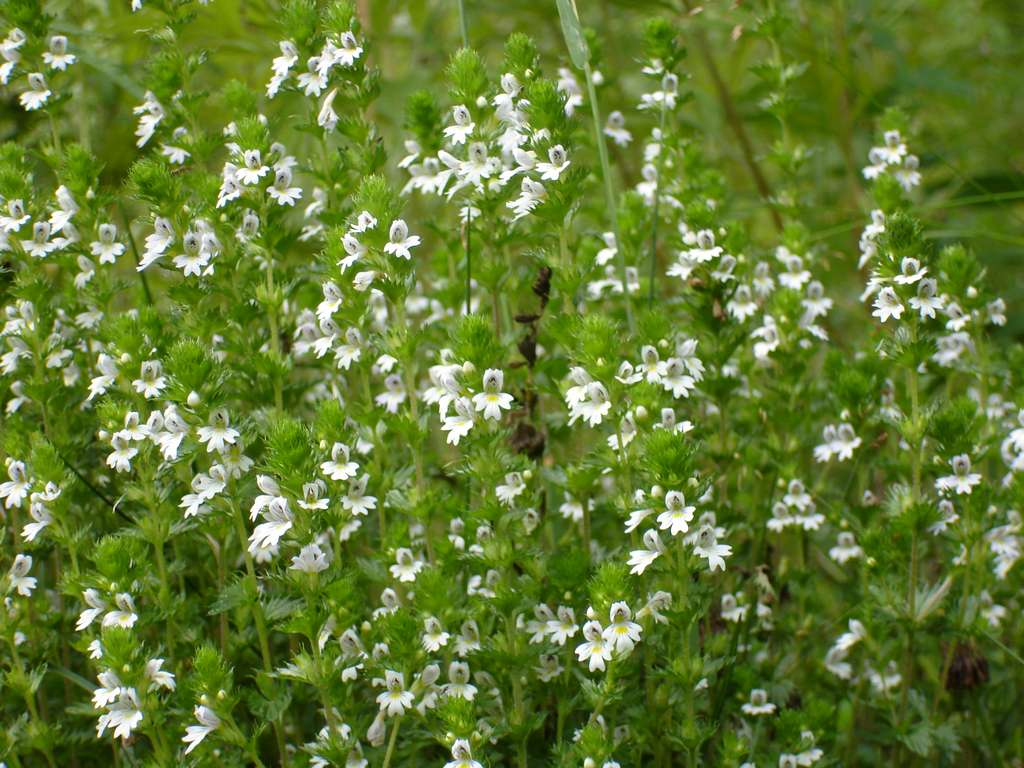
column 462, row 756
column 887, row 304
column 962, row 480
column 758, row 704
column 400, row 241
column 18, row 578
column 406, row 566
column 281, row 191
column 311, row 559
column 622, row 634
column 677, row 515
column 594, row 649
column 707, row 546
column 218, row 434
column 37, row 94
column 395, row 700
column 641, row 559
column 208, row 723
column 492, row 400
column 558, row 161
column 461, row 422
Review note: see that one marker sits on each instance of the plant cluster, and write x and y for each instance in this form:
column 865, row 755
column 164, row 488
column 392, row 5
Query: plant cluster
column 525, row 445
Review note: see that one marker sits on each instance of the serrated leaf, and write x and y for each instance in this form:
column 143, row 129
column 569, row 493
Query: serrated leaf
column 919, row 741
column 229, row 598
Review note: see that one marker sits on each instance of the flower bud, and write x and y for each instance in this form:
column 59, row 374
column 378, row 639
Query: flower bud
column 193, row 399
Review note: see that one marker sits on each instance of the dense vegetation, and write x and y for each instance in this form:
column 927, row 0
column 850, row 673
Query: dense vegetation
column 492, row 384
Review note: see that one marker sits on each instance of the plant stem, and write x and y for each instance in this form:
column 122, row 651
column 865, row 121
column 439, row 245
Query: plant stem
column 275, row 340
column 609, row 192
column 733, row 118
column 258, row 619
column 391, row 744
column 469, row 253
column 657, row 198
column 463, row 29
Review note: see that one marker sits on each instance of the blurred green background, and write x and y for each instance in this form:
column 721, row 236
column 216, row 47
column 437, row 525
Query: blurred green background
column 953, row 66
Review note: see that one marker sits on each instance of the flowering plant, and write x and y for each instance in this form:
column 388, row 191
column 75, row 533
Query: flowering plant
column 498, row 429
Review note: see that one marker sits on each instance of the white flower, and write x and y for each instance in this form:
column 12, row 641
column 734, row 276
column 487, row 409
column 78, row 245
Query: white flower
column 926, row 302
column 622, row 634
column 58, row 57
column 434, row 637
column 96, row 607
column 492, row 400
column 15, row 490
column 847, row 640
column 911, row 271
column 339, row 467
column 400, row 241
column 615, row 129
column 218, row 434
column 707, row 546
column 640, row 559
column 40, row 245
column 37, row 94
column 281, row 191
column 731, row 609
column 151, row 382
column 593, row 649
column 252, row 169
column 462, row 127
column 797, row 496
column 395, row 700
column 458, row 425
column 356, row 501
column 564, row 626
column 462, row 756
column 406, row 566
column 277, row 522
column 594, row 407
column 311, row 559
column 120, row 458
column 846, row 548
column 758, row 704
column 107, row 247
column 511, row 488
column 677, row 515
column 347, row 52
column 557, row 162
column 459, row 686
column 18, row 577
column 158, row 676
column 887, row 304
column 962, row 480
column 123, row 615
column 123, row 715
column 393, row 395
column 208, row 723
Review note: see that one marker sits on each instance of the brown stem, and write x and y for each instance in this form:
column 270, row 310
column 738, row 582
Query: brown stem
column 734, row 119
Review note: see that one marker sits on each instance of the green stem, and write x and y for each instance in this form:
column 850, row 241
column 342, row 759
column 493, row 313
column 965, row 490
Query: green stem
column 275, row 340
column 463, row 29
column 391, row 744
column 609, row 192
column 469, row 254
column 657, row 197
column 258, row 619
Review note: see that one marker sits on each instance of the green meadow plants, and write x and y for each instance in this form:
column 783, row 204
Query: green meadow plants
column 495, row 409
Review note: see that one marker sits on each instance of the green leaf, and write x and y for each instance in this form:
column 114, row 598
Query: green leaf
column 573, row 33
